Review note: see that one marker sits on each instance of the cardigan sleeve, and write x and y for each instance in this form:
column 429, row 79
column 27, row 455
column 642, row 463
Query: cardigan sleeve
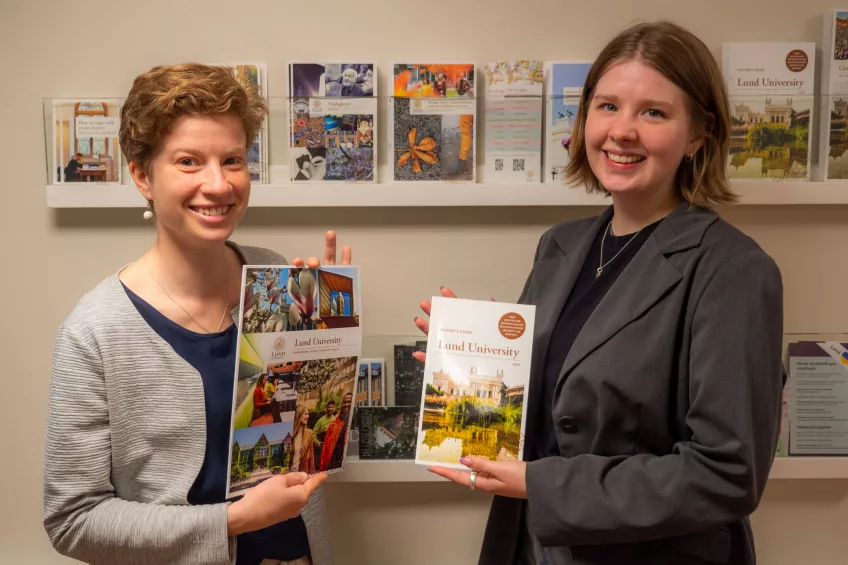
column 716, row 475
column 83, row 517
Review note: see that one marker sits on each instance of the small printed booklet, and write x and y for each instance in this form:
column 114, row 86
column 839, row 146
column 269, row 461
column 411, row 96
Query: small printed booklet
column 433, row 122
column 565, row 87
column 475, row 375
column 333, row 122
column 409, row 373
column 388, row 432
column 299, row 345
column 85, row 141
column 771, row 88
column 514, row 92
column 818, row 399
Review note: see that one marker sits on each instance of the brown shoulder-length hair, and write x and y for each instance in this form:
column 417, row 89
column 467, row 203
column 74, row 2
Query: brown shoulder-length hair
column 684, row 60
column 161, row 96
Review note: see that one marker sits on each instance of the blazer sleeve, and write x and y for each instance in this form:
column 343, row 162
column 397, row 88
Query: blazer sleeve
column 83, row 517
column 718, row 474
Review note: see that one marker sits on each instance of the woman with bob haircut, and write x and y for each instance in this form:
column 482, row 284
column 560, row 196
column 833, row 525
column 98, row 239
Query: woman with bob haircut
column 654, row 399
column 141, row 392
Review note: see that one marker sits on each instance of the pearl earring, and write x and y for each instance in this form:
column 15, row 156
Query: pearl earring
column 148, row 214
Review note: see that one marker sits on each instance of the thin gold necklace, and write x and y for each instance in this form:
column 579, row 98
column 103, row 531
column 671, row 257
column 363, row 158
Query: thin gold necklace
column 226, row 305
column 601, row 264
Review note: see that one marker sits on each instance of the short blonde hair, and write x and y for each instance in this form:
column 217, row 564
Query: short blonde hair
column 161, row 96
column 684, row 60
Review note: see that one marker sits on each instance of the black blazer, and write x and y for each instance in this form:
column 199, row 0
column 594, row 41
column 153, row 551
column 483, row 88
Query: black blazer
column 667, row 406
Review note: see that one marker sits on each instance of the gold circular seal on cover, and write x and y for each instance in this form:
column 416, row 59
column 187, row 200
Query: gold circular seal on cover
column 797, row 60
column 512, row 325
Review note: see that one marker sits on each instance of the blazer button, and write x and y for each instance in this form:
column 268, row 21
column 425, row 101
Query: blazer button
column 567, row 424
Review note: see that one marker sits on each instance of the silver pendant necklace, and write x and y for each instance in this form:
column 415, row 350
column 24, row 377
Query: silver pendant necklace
column 601, row 264
column 226, row 305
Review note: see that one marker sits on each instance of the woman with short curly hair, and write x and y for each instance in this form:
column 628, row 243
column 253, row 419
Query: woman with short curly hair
column 141, row 393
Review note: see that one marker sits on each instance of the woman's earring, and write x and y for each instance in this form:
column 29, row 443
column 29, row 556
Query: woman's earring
column 690, row 157
column 148, row 214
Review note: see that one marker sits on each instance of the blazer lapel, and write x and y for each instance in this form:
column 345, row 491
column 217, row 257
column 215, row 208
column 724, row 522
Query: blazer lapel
column 554, row 278
column 645, row 280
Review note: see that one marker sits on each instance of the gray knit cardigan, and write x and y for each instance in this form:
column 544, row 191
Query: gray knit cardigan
column 126, row 436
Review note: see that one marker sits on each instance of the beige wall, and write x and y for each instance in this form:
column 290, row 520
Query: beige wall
column 51, row 257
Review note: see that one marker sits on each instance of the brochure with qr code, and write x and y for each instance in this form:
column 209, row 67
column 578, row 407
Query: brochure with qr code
column 475, row 376
column 298, row 352
column 514, row 106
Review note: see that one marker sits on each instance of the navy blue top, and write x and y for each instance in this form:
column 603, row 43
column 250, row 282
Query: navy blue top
column 214, row 357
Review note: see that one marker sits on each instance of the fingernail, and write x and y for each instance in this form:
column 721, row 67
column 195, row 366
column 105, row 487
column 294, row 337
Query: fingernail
column 441, row 288
column 464, row 460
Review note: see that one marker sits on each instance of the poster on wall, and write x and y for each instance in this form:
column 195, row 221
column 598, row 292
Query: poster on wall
column 333, row 122
column 434, row 120
column 299, row 343
column 85, row 141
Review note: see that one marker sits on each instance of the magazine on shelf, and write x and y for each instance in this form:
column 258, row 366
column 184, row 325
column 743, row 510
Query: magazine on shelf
column 564, row 87
column 85, row 141
column 433, row 122
column 333, row 122
column 388, row 432
column 475, row 375
column 833, row 106
column 255, row 74
column 298, row 350
column 771, row 88
column 514, row 108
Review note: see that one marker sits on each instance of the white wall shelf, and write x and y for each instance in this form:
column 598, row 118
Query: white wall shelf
column 809, row 468
column 383, row 471
column 405, row 471
column 479, row 194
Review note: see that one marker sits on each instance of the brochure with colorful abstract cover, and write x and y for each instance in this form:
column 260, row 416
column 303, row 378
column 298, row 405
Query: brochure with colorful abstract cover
column 433, row 117
column 299, row 343
column 565, row 86
column 475, row 375
column 388, row 432
column 771, row 88
column 85, row 141
column 514, row 106
column 333, row 122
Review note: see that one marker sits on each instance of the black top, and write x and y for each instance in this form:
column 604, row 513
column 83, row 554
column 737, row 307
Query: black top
column 584, row 298
column 214, row 357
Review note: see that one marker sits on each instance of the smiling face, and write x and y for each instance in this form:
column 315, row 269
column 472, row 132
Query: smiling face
column 198, row 179
column 638, row 130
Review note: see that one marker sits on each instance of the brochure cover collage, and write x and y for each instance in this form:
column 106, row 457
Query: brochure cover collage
column 299, row 345
column 306, row 400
